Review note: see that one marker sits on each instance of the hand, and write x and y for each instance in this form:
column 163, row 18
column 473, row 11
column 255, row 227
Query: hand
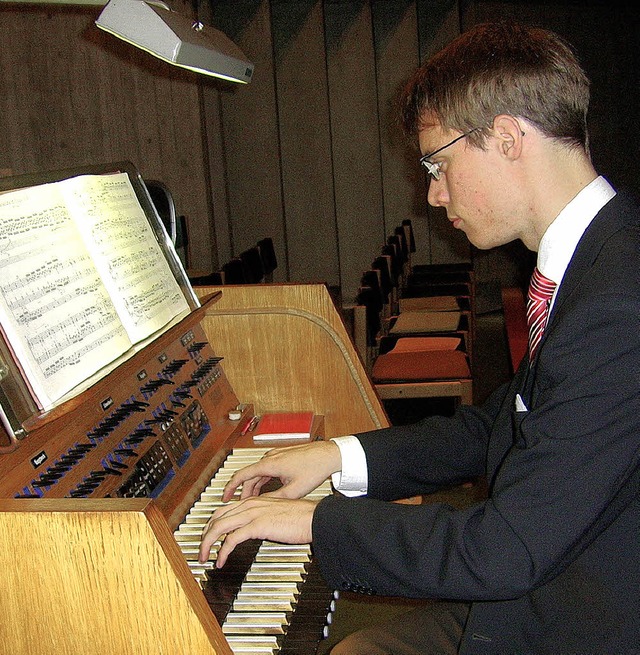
column 300, row 469
column 262, row 517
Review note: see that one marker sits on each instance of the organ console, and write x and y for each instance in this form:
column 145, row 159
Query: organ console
column 103, row 500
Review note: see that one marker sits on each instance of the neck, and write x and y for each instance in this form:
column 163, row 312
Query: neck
column 563, row 173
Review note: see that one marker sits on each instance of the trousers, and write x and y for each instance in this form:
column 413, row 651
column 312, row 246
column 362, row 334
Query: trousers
column 432, row 629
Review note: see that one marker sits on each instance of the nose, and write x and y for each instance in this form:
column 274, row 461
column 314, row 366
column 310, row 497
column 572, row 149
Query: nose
column 437, row 195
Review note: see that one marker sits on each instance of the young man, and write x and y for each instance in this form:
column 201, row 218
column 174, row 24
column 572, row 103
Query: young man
column 550, row 562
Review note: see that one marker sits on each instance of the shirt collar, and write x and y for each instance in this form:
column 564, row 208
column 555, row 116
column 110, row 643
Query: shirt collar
column 561, row 238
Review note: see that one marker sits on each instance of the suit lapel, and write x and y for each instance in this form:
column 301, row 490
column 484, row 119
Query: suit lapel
column 609, row 220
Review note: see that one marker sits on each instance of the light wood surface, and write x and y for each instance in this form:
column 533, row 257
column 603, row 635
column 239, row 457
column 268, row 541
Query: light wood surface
column 286, row 348
column 96, row 577
column 462, row 389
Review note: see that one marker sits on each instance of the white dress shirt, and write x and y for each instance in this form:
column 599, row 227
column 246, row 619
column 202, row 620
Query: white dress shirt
column 556, row 249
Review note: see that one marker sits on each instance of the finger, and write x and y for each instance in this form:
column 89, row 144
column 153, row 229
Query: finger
column 214, row 530
column 255, row 486
column 217, row 526
column 228, row 545
column 209, row 538
column 231, row 487
column 242, row 477
column 236, row 527
column 247, row 477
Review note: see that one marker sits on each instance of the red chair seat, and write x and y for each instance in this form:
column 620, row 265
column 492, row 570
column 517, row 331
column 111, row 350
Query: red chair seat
column 416, row 366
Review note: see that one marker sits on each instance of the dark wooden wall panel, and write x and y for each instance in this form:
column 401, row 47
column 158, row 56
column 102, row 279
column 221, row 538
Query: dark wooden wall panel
column 355, row 139
column 215, row 168
column 73, row 95
column 438, row 23
column 396, row 55
column 303, row 119
column 307, row 152
column 249, row 126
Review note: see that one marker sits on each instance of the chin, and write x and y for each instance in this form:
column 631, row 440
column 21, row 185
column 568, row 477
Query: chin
column 484, row 242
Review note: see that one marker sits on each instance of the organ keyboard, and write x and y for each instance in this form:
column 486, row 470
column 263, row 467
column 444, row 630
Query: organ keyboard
column 102, row 503
column 257, row 593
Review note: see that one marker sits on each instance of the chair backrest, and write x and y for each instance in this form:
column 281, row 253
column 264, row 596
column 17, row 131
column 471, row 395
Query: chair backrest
column 207, row 280
column 390, row 251
column 233, row 272
column 253, row 266
column 165, row 206
column 408, row 228
column 371, row 279
column 268, row 255
column 453, row 289
column 382, row 265
column 396, row 241
column 370, row 299
column 401, row 235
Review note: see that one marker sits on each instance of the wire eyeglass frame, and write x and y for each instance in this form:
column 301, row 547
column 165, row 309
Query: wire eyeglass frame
column 433, row 168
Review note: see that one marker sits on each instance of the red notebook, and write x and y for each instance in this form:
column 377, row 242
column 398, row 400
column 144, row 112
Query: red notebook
column 284, row 425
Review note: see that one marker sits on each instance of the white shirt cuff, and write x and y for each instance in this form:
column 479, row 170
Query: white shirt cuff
column 352, row 480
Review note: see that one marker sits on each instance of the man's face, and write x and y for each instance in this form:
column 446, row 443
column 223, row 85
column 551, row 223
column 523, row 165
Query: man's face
column 474, row 187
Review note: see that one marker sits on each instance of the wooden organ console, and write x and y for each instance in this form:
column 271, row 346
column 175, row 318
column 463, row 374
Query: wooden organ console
column 102, row 502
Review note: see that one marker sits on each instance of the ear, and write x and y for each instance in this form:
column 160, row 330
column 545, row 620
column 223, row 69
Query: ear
column 509, row 133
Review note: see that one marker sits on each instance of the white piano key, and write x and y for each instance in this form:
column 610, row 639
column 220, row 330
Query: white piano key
column 252, row 650
column 254, row 640
column 254, row 644
column 262, row 604
column 255, row 623
column 287, row 590
column 273, row 582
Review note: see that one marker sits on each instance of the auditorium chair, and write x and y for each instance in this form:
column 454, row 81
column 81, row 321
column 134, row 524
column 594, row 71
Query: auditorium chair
column 428, row 316
column 432, row 366
column 234, row 271
column 268, row 256
column 253, row 268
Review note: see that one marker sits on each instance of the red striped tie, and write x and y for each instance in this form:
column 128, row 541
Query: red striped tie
column 540, row 291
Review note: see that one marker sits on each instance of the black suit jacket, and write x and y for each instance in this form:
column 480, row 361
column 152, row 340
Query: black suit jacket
column 551, row 561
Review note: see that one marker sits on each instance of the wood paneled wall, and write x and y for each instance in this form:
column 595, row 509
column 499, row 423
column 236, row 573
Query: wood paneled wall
column 72, row 95
column 314, row 154
column 309, row 153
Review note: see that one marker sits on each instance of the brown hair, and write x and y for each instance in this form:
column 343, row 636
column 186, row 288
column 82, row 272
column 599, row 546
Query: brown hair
column 501, row 68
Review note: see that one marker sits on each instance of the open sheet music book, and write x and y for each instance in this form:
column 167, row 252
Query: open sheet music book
column 82, row 279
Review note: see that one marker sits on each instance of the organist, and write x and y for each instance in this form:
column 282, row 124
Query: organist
column 549, row 563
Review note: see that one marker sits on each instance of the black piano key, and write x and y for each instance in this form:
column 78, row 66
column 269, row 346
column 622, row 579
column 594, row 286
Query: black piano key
column 309, row 622
column 223, row 584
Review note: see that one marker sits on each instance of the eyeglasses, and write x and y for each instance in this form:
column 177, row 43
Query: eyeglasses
column 433, row 168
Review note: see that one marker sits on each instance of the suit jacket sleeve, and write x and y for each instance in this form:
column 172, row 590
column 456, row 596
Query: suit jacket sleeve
column 408, row 460
column 555, row 471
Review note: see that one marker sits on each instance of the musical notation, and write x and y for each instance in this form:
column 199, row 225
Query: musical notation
column 82, row 279
column 127, row 254
column 71, row 334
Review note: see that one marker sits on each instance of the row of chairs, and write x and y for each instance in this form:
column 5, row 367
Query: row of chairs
column 252, row 266
column 414, row 325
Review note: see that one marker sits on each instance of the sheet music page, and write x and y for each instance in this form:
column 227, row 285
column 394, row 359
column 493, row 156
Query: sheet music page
column 125, row 251
column 57, row 317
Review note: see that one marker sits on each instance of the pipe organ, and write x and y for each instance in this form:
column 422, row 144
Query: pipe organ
column 103, row 499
